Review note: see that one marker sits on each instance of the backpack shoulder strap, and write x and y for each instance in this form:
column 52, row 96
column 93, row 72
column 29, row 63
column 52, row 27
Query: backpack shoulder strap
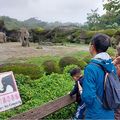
column 100, row 66
column 106, row 73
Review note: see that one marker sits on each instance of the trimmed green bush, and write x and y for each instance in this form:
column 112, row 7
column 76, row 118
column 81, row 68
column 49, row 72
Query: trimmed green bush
column 82, row 64
column 50, row 66
column 68, row 61
column 87, row 59
column 31, row 70
column 111, row 52
column 110, row 32
column 89, row 34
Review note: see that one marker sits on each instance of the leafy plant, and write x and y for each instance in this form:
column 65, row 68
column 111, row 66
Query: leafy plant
column 68, row 61
column 82, row 64
column 50, row 66
column 31, row 70
column 68, row 68
column 87, row 59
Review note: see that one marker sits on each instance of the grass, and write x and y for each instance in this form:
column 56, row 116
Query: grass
column 79, row 55
column 39, row 60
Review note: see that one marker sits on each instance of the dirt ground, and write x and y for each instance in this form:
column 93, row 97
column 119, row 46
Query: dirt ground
column 13, row 51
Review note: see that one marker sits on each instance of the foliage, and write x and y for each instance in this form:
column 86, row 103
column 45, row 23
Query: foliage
column 68, row 68
column 82, row 64
column 11, row 23
column 39, row 29
column 87, row 59
column 111, row 52
column 110, row 32
column 68, row 61
column 31, row 70
column 93, row 19
column 64, row 113
column 41, row 91
column 81, row 54
column 50, row 66
column 109, row 20
column 2, row 24
column 40, row 60
column 112, row 7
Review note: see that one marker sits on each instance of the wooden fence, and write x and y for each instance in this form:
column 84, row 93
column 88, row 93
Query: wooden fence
column 46, row 109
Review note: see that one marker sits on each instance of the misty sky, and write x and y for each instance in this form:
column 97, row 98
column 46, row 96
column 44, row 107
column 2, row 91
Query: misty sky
column 50, row 10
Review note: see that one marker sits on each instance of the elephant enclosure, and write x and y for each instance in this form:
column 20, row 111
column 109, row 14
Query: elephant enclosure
column 14, row 51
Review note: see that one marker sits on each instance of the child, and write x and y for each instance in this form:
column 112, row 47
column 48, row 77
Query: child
column 117, row 113
column 77, row 77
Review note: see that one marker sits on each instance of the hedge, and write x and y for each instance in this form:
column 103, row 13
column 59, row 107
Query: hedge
column 31, row 70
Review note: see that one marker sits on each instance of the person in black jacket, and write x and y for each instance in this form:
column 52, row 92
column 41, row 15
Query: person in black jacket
column 78, row 78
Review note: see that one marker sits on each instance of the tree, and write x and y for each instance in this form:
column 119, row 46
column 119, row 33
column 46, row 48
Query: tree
column 93, row 19
column 112, row 8
column 2, row 25
column 111, row 19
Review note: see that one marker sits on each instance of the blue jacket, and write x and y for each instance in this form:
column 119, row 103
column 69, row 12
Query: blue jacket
column 93, row 89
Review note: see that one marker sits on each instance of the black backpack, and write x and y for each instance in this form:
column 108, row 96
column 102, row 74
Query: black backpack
column 111, row 97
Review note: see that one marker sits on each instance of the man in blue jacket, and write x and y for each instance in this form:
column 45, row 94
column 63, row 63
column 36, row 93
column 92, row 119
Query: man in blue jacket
column 93, row 84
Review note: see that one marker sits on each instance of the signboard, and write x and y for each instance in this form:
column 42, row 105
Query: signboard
column 9, row 95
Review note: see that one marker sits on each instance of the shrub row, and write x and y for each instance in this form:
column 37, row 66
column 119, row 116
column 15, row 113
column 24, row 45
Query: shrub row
column 31, row 70
column 48, row 67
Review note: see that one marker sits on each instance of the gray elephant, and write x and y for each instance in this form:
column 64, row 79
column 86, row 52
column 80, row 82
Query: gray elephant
column 24, row 37
column 2, row 37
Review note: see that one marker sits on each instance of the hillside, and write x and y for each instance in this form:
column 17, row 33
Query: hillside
column 12, row 23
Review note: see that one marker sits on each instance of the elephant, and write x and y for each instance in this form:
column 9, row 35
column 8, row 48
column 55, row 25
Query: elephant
column 24, row 37
column 2, row 37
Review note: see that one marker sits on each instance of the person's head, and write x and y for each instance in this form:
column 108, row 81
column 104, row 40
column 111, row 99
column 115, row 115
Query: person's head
column 118, row 50
column 99, row 43
column 75, row 73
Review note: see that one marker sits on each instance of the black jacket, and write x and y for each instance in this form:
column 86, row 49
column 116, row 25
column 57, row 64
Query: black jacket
column 76, row 90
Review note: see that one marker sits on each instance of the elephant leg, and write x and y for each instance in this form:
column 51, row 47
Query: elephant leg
column 28, row 44
column 5, row 40
column 23, row 43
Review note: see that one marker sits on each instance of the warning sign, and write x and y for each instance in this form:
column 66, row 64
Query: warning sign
column 9, row 95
